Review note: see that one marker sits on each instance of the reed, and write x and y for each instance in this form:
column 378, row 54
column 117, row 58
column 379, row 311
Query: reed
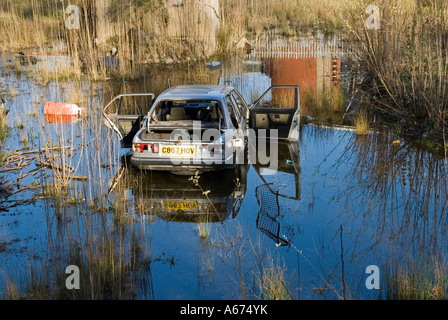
column 295, row 17
column 405, row 65
column 204, row 228
column 325, row 105
column 108, row 267
column 110, row 253
column 27, row 23
column 417, row 281
column 272, row 282
column 3, row 124
column 361, row 122
column 152, row 31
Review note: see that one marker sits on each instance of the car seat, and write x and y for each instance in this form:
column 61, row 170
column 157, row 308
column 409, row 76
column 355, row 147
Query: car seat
column 177, row 113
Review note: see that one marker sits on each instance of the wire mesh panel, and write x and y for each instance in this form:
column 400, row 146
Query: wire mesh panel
column 267, row 197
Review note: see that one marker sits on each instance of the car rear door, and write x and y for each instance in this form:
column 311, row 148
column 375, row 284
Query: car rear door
column 125, row 115
column 277, row 108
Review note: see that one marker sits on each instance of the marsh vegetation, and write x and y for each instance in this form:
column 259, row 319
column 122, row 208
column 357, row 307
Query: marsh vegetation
column 69, row 197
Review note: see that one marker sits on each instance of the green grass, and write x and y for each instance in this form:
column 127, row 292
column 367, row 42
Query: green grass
column 3, row 125
column 361, row 123
column 204, row 228
column 272, row 283
column 325, row 106
column 426, row 280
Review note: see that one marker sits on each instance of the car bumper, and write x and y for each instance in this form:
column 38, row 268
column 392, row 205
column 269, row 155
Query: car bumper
column 178, row 166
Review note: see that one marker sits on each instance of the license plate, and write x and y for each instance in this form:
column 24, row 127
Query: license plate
column 183, row 151
column 175, row 205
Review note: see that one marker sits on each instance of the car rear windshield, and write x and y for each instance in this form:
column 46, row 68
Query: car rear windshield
column 206, row 111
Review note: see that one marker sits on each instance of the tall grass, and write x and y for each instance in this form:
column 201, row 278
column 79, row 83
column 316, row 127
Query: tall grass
column 264, row 20
column 27, row 23
column 272, row 282
column 204, row 228
column 325, row 106
column 288, row 17
column 405, row 64
column 110, row 253
column 143, row 31
column 108, row 268
column 3, row 124
column 155, row 31
column 361, row 122
column 417, row 281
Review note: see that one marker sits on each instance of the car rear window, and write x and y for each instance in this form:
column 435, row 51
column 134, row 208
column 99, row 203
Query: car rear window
column 196, row 110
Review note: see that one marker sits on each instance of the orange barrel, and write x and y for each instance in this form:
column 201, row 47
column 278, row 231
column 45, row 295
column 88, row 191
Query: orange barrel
column 62, row 108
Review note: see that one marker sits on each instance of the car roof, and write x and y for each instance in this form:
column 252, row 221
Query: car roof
column 196, row 92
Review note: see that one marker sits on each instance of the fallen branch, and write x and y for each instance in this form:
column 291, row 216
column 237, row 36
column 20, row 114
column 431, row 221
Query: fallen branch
column 30, row 187
column 78, row 178
column 19, row 167
column 42, row 150
column 55, row 166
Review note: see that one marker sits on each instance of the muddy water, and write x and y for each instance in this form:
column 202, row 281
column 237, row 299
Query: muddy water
column 337, row 204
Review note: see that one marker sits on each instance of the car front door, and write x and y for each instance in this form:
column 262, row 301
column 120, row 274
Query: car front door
column 277, row 108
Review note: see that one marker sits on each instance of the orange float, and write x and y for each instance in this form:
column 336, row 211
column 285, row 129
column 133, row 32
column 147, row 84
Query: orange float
column 63, row 109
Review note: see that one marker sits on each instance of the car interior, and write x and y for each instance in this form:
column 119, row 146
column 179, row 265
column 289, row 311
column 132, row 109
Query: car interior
column 206, row 111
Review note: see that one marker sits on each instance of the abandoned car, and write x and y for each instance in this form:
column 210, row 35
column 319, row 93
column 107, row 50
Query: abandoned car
column 192, row 128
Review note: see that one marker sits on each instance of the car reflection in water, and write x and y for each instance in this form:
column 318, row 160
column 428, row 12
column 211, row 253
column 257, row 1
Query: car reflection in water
column 215, row 197
column 268, row 193
column 218, row 195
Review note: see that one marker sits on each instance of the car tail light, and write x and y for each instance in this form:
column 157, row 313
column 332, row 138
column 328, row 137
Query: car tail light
column 136, row 147
column 142, row 147
column 139, row 147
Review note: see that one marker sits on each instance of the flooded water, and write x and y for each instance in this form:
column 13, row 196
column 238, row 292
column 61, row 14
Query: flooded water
column 337, row 204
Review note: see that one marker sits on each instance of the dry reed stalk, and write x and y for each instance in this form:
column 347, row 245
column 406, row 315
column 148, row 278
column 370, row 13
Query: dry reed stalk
column 405, row 65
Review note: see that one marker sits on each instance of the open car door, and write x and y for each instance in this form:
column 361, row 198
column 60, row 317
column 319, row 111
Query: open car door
column 277, row 108
column 125, row 115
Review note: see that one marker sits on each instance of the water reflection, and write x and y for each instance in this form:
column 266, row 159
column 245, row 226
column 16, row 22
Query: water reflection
column 214, row 198
column 61, row 118
column 288, row 169
column 404, row 191
column 267, row 197
column 343, row 198
column 373, row 198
